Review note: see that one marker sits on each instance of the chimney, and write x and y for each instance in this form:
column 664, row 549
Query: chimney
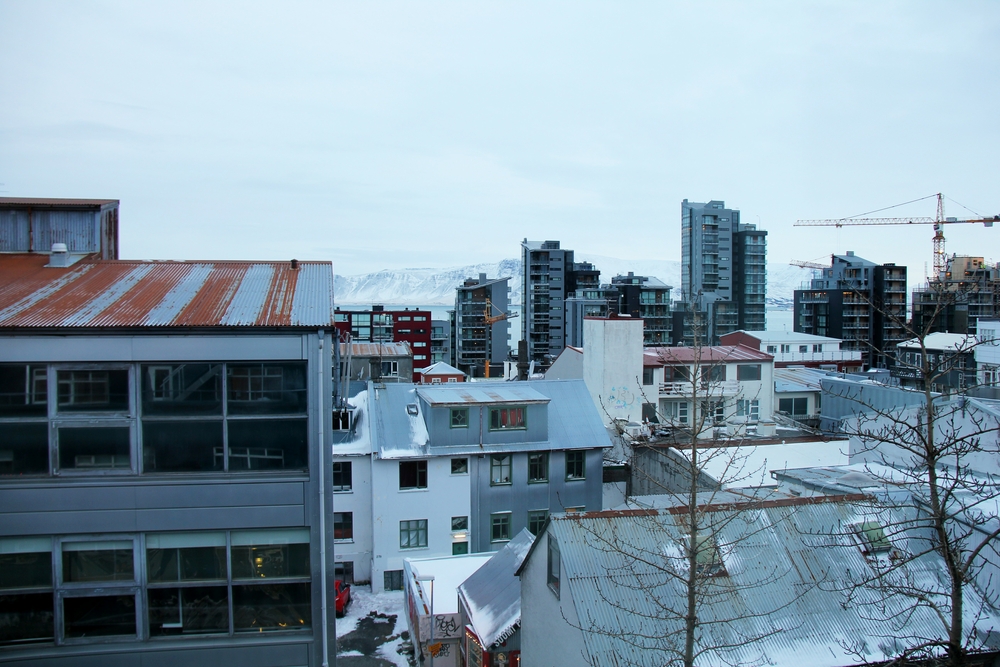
column 295, row 265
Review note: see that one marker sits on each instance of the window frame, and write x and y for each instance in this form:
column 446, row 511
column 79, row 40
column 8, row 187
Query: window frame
column 497, row 416
column 581, row 464
column 533, row 465
column 497, row 464
column 416, row 527
column 342, row 472
column 553, row 565
column 420, row 474
column 461, row 414
column 349, row 527
column 501, row 520
column 538, row 519
column 463, row 467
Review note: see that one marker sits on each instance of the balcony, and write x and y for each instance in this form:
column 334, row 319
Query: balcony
column 713, row 389
column 802, row 357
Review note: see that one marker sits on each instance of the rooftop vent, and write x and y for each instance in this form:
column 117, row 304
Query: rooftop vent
column 60, row 256
column 295, row 265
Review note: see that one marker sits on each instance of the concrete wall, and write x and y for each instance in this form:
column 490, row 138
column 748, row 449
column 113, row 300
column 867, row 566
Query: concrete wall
column 612, row 367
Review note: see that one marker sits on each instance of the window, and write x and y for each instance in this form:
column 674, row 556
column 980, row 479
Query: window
column 182, row 389
column 500, row 526
column 803, row 348
column 23, row 390
column 92, row 391
column 499, row 469
column 390, row 368
column 459, row 523
column 708, row 560
column 506, row 418
column 785, row 349
column 182, row 446
column 393, row 580
column 412, row 475
column 420, row 357
column 772, row 349
column 536, row 519
column 460, row 466
column 459, row 417
column 794, row 406
column 413, row 534
column 576, row 465
column 344, row 572
column 748, row 372
column 188, row 579
column 343, row 526
column 26, row 610
column 342, row 480
column 24, row 449
column 271, row 585
column 459, row 548
column 872, row 537
column 266, row 388
column 749, row 409
column 102, row 447
column 99, row 577
column 553, row 565
column 818, row 348
column 715, row 373
column 419, row 343
column 271, row 444
column 538, row 467
column 647, row 376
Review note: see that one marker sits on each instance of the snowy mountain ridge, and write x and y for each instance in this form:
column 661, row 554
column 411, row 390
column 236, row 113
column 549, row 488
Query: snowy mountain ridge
column 436, row 286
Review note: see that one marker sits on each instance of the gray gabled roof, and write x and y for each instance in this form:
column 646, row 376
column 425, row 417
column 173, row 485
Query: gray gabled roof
column 398, row 429
column 788, row 565
column 493, row 594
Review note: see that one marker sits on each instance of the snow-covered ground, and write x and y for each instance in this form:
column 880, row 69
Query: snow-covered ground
column 389, row 603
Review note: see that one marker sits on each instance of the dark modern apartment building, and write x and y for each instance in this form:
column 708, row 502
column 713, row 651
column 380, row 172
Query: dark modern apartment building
column 164, row 427
column 954, row 302
column 723, row 271
column 381, row 325
column 479, row 336
column 860, row 302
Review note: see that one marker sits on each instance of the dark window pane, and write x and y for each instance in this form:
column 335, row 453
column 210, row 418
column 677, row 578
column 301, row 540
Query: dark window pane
column 459, row 548
column 273, row 560
column 342, row 476
column 199, row 610
column 182, row 389
column 99, row 616
column 25, row 570
column 459, row 523
column 24, row 449
column 23, row 390
column 268, row 444
column 187, row 564
column 97, row 561
column 88, row 448
column 748, row 372
column 90, row 391
column 343, row 525
column 182, row 446
column 272, row 607
column 459, row 466
column 413, row 474
column 26, row 618
column 256, row 389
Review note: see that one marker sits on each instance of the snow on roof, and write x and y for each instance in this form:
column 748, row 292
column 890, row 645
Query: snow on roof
column 493, row 594
column 360, row 441
column 751, row 465
column 798, row 379
column 448, row 572
column 440, row 368
column 942, row 341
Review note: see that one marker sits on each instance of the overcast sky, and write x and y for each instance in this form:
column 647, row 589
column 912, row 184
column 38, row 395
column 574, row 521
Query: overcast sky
column 419, row 134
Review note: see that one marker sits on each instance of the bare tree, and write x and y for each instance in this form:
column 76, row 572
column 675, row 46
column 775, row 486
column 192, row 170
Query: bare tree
column 940, row 455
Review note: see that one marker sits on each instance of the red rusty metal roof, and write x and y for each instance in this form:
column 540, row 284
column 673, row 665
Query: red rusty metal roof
column 667, row 356
column 119, row 293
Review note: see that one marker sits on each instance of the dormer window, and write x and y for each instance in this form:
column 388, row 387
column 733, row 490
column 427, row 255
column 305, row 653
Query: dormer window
column 872, row 537
column 502, row 419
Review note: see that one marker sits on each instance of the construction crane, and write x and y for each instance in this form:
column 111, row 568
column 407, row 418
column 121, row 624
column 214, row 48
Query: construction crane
column 490, row 319
column 808, row 265
column 939, row 221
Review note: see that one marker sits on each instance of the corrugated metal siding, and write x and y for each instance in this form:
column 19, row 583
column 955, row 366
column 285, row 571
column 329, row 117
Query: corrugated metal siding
column 143, row 294
column 77, row 229
column 14, row 233
column 789, row 568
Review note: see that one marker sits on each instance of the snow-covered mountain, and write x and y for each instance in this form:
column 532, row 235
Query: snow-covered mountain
column 431, row 287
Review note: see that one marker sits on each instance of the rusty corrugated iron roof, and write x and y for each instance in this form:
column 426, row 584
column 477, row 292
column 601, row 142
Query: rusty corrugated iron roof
column 665, row 356
column 121, row 293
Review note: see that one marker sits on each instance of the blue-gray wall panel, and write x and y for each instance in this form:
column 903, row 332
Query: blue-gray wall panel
column 151, row 348
column 162, row 655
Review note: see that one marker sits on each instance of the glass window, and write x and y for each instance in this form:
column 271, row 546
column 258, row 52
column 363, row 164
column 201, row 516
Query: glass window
column 342, row 480
column 182, row 389
column 93, row 391
column 24, row 449
column 267, row 444
column 459, row 466
column 266, row 388
column 393, row 580
column 538, row 467
column 272, row 607
column 459, row 523
column 97, row 561
column 553, row 565
column 270, row 554
column 647, row 376
column 99, row 616
column 460, row 417
column 576, row 467
column 412, row 475
column 26, row 562
column 188, row 610
column 26, row 617
column 500, row 523
column 413, row 534
column 459, row 548
column 536, row 519
column 500, row 469
column 343, row 526
column 748, row 372
column 715, row 373
column 23, row 390
column 181, row 446
column 506, row 418
column 94, row 448
column 174, row 557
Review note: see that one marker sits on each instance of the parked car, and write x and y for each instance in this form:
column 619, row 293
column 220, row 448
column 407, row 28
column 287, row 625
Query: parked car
column 343, row 592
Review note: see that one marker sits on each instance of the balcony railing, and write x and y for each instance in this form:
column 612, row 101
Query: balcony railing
column 711, row 389
column 799, row 357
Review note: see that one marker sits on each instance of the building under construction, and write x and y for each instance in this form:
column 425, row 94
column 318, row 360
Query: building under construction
column 952, row 302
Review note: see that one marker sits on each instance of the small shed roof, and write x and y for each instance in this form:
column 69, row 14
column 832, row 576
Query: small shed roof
column 439, row 368
column 493, row 594
column 158, row 294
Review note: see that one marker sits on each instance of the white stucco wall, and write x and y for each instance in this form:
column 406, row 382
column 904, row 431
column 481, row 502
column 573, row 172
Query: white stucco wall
column 446, row 496
column 612, row 367
column 358, row 501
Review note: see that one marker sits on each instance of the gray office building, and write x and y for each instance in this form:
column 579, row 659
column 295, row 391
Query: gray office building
column 164, row 427
column 477, row 341
column 723, row 270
